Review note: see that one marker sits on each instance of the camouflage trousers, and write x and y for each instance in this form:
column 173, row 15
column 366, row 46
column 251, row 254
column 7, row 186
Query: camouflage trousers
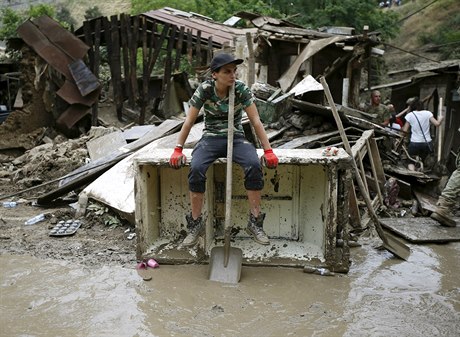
column 452, row 190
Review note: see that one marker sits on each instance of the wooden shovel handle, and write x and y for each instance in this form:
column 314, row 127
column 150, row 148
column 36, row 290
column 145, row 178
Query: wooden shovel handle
column 228, row 195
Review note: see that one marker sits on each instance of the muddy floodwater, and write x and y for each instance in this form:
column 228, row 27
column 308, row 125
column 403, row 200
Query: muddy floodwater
column 380, row 296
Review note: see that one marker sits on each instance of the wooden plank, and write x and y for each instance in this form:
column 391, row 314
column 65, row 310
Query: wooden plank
column 363, row 174
column 158, row 46
column 372, row 160
column 133, row 38
column 210, row 52
column 145, row 74
column 189, row 46
column 99, row 147
column 198, row 49
column 251, row 60
column 92, row 64
column 96, row 68
column 125, row 25
column 426, row 202
column 180, row 41
column 89, row 41
column 355, row 216
column 168, row 63
column 422, row 229
column 375, row 155
column 113, row 35
column 300, row 141
column 153, row 39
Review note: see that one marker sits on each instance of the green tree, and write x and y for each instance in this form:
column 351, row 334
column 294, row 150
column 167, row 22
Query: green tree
column 92, row 13
column 348, row 13
column 142, row 6
column 11, row 19
column 63, row 15
column 218, row 10
column 40, row 10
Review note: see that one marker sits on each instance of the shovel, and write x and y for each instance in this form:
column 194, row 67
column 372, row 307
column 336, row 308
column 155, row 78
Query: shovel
column 225, row 262
column 390, row 243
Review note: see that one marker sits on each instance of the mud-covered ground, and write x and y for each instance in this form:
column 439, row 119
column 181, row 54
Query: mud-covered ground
column 95, row 243
column 87, row 285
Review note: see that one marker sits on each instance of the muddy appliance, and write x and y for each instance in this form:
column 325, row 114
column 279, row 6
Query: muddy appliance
column 305, row 200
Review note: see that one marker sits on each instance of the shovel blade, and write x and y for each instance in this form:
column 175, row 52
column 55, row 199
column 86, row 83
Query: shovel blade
column 85, row 80
column 396, row 247
column 225, row 274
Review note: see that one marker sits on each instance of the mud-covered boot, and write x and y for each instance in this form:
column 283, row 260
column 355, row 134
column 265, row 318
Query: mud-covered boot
column 195, row 229
column 443, row 213
column 255, row 229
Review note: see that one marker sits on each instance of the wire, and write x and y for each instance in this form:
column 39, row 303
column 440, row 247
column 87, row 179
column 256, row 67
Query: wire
column 417, row 11
column 409, row 52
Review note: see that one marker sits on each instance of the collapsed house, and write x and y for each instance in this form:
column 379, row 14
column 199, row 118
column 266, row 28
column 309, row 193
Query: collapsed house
column 283, row 63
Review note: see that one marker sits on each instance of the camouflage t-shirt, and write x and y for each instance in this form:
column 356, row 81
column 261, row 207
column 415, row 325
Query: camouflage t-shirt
column 216, row 108
column 381, row 111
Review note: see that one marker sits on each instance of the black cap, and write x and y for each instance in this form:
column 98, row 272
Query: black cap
column 223, row 59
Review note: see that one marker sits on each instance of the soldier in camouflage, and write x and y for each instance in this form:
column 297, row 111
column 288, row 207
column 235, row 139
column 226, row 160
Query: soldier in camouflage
column 381, row 110
column 448, row 200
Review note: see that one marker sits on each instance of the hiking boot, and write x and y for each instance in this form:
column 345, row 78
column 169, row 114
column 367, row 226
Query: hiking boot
column 255, row 229
column 443, row 213
column 195, row 229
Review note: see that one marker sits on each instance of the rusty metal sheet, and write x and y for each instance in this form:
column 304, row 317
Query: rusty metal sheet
column 70, row 93
column 220, row 33
column 72, row 115
column 61, row 37
column 43, row 47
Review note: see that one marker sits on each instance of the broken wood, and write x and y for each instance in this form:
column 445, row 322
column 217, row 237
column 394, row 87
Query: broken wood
column 398, row 248
column 91, row 171
column 251, row 61
column 427, row 203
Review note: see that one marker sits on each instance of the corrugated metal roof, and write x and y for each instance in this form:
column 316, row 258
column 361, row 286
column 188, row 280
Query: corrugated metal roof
column 220, row 33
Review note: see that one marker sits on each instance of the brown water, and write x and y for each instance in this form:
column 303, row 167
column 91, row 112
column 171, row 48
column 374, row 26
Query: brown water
column 380, row 296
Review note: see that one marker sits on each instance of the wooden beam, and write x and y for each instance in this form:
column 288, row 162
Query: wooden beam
column 189, row 46
column 113, row 39
column 133, row 37
column 96, row 67
column 198, row 49
column 158, row 46
column 180, row 41
column 145, row 74
column 251, row 61
column 125, row 26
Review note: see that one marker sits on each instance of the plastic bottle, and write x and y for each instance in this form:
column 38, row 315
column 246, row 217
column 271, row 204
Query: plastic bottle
column 35, row 219
column 324, row 272
column 10, row 204
column 318, row 271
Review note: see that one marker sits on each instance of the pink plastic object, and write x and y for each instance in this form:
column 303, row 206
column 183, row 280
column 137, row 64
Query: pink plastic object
column 152, row 263
column 141, row 265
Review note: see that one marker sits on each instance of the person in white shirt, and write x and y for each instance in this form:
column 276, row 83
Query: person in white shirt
column 418, row 122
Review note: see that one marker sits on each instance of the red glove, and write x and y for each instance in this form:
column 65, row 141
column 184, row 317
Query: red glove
column 269, row 159
column 177, row 159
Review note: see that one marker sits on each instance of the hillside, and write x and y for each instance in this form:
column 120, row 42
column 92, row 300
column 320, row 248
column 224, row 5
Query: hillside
column 107, row 8
column 414, row 24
